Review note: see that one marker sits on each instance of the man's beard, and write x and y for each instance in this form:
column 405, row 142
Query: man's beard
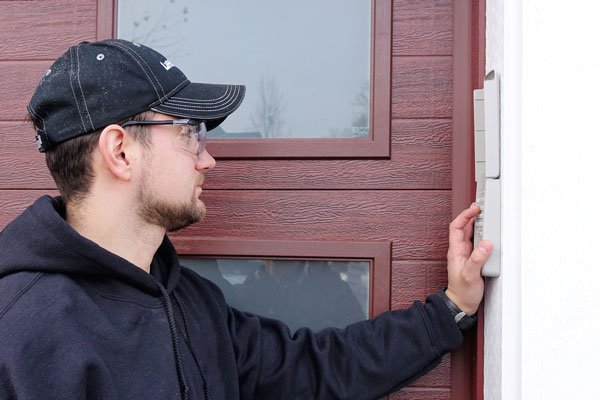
column 170, row 216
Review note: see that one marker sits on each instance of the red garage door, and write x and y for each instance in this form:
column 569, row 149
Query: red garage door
column 377, row 204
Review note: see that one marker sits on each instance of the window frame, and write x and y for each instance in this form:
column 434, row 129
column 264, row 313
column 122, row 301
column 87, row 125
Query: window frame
column 378, row 253
column 377, row 145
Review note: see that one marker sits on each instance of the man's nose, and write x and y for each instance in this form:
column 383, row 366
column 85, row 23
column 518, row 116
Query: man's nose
column 205, row 162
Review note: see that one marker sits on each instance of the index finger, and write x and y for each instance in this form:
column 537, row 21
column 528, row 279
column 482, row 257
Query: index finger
column 465, row 217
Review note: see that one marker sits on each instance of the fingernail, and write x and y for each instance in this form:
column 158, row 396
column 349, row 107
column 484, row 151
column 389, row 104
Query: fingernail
column 473, row 205
column 484, row 249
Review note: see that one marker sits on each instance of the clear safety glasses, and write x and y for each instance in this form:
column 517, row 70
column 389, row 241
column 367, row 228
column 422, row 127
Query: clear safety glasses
column 192, row 137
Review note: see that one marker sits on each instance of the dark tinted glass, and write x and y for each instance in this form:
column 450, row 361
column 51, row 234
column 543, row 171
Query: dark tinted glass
column 314, row 294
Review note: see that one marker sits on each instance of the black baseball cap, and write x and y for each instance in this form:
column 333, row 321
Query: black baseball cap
column 93, row 85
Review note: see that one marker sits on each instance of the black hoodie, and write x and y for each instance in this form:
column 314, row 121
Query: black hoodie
column 77, row 321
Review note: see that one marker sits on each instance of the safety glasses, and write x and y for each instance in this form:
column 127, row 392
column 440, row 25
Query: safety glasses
column 192, row 137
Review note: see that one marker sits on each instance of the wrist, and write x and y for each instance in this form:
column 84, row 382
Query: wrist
column 470, row 310
column 463, row 320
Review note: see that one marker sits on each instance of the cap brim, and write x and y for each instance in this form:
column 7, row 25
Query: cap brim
column 209, row 102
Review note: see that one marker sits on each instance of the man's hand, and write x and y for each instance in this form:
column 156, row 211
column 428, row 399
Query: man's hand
column 465, row 284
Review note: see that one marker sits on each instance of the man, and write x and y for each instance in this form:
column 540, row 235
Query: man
column 94, row 302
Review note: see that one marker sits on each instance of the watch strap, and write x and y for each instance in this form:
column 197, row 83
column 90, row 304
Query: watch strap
column 462, row 319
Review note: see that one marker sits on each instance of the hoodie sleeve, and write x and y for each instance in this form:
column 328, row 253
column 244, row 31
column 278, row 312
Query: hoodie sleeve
column 366, row 360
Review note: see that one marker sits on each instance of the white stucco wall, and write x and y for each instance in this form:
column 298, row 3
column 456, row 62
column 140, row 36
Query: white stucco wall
column 546, row 52
column 502, row 354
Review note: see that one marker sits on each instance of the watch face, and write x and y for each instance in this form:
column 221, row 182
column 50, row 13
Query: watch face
column 459, row 317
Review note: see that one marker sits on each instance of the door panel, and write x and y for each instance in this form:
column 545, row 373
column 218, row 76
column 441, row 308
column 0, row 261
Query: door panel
column 41, row 29
column 415, row 221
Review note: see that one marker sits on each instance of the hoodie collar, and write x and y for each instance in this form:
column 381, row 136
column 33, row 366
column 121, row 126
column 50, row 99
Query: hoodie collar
column 41, row 240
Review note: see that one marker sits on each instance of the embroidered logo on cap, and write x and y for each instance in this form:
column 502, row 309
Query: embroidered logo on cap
column 167, row 64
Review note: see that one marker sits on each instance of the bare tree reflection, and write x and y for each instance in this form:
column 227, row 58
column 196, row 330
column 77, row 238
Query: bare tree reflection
column 156, row 29
column 360, row 122
column 268, row 119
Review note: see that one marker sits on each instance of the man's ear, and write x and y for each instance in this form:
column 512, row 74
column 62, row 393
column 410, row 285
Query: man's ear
column 115, row 146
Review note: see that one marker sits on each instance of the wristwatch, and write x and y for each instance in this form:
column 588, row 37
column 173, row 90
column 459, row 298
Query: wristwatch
column 462, row 319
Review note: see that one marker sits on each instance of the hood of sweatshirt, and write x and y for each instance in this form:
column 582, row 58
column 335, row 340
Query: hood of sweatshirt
column 41, row 240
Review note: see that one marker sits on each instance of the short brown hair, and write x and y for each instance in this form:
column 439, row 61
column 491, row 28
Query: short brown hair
column 70, row 162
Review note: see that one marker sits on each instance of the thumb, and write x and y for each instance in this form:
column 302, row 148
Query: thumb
column 479, row 256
